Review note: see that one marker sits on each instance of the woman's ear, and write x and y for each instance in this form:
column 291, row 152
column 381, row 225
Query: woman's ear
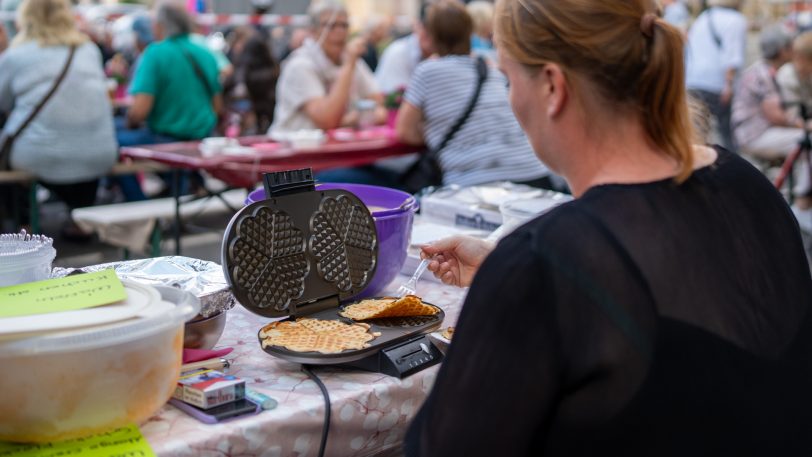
column 556, row 90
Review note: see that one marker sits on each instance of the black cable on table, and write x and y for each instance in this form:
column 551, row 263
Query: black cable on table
column 326, row 427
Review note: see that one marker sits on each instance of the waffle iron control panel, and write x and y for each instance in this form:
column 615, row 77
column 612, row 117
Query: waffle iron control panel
column 404, row 359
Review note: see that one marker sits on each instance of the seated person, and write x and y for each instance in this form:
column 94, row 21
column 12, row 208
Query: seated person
column 251, row 89
column 71, row 141
column 490, row 146
column 321, row 81
column 795, row 78
column 763, row 129
column 175, row 89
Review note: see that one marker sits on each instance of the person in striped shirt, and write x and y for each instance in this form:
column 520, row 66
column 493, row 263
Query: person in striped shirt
column 490, row 146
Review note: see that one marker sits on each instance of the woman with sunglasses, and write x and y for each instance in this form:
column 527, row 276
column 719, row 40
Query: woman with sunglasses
column 665, row 311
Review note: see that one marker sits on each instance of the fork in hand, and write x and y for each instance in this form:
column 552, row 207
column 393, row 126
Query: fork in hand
column 410, row 286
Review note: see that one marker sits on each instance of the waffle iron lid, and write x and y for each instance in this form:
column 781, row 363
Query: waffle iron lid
column 299, row 251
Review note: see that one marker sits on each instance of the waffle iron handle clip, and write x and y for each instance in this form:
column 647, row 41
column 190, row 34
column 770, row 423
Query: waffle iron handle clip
column 288, row 182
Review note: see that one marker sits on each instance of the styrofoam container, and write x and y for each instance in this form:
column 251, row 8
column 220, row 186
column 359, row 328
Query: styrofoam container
column 25, row 258
column 64, row 384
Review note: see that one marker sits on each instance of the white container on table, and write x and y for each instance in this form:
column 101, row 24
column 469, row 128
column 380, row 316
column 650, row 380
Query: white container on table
column 516, row 213
column 72, row 382
column 25, row 258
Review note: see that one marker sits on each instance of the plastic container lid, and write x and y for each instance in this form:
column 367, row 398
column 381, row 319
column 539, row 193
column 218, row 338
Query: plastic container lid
column 25, row 258
column 138, row 301
column 22, row 247
column 154, row 316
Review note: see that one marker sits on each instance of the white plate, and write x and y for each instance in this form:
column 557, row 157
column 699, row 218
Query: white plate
column 139, row 300
column 238, row 150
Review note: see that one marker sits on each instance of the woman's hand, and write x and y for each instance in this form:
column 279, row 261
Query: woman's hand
column 455, row 260
column 355, row 49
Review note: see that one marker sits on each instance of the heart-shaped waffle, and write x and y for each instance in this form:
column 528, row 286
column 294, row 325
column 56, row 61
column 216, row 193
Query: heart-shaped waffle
column 343, row 242
column 377, row 308
column 268, row 259
column 316, row 335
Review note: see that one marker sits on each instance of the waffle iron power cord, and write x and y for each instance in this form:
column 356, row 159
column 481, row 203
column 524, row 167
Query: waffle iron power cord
column 326, row 427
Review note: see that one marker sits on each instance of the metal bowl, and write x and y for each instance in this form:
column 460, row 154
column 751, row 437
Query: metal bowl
column 204, row 332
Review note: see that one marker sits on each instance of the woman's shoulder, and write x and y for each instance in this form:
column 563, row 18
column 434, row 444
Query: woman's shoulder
column 21, row 52
column 89, row 51
column 30, row 55
column 563, row 229
column 299, row 61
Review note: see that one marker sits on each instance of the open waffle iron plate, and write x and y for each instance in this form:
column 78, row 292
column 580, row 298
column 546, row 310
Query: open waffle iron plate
column 302, row 252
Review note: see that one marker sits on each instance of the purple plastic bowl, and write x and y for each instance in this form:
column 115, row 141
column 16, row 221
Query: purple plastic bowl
column 393, row 211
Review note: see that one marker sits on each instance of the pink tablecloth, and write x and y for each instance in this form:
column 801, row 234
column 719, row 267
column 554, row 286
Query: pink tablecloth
column 370, row 411
column 344, row 148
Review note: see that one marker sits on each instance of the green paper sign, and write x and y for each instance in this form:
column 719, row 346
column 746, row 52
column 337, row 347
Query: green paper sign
column 62, row 294
column 121, row 442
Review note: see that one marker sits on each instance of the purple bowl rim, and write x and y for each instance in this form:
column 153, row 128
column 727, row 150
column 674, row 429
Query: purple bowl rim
column 413, row 205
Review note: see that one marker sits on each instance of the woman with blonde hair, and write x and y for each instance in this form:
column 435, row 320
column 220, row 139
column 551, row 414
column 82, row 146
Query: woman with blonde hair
column 654, row 315
column 70, row 140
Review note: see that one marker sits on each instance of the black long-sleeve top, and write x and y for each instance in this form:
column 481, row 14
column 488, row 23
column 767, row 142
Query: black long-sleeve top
column 650, row 319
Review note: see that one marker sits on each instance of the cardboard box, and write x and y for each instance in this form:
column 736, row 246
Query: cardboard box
column 477, row 207
column 208, row 388
column 455, row 212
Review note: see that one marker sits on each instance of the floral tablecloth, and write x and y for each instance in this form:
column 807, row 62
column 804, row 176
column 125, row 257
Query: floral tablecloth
column 370, row 412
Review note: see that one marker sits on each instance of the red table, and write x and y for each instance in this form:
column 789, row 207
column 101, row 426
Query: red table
column 245, row 170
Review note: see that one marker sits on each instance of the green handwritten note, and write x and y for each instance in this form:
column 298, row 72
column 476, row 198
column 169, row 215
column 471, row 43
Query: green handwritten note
column 62, row 294
column 121, row 442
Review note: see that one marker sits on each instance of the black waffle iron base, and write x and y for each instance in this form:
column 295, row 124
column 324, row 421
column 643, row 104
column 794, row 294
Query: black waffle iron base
column 301, row 252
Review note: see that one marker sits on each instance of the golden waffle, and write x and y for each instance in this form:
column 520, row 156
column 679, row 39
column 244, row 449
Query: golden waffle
column 316, row 335
column 389, row 307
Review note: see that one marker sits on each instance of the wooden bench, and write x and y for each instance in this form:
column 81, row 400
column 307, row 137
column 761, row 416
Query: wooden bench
column 134, row 225
column 30, row 181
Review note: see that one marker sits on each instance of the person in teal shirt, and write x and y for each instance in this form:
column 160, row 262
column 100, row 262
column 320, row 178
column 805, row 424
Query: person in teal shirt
column 175, row 88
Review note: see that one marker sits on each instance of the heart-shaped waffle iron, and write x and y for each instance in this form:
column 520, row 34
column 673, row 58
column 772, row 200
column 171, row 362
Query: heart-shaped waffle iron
column 297, row 253
column 272, row 265
column 342, row 242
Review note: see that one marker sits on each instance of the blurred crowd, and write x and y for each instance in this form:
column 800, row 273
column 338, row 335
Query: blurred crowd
column 158, row 76
column 759, row 108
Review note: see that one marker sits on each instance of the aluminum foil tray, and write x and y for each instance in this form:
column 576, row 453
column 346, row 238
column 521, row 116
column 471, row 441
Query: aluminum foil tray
column 202, row 278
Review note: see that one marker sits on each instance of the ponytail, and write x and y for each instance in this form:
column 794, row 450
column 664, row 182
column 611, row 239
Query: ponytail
column 632, row 57
column 662, row 98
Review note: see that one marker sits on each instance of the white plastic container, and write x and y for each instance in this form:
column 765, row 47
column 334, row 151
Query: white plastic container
column 516, row 213
column 72, row 383
column 25, row 258
column 213, row 146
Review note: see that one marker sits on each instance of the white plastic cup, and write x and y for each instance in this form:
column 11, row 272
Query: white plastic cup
column 25, row 258
column 366, row 113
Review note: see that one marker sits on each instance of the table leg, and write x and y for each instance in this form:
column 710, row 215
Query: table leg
column 176, row 194
column 33, row 208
